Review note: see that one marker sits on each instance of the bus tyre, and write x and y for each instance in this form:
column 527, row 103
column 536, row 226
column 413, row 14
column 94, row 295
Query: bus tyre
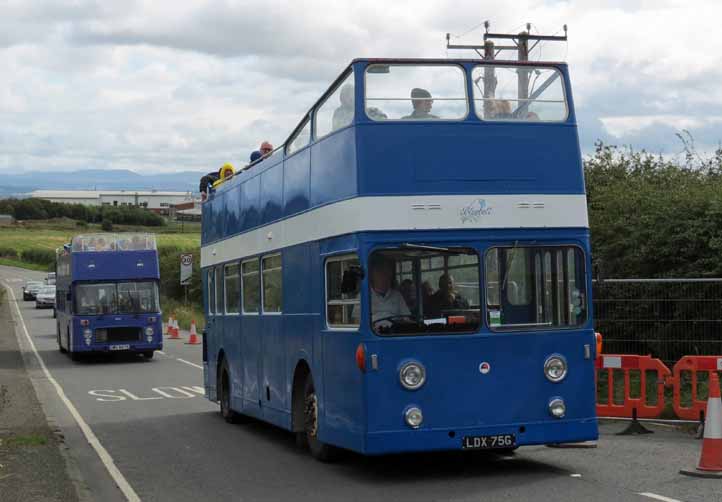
column 224, row 395
column 319, row 450
column 60, row 345
column 148, row 354
column 75, row 356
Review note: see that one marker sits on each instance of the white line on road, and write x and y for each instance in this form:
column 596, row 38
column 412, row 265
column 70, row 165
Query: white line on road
column 190, row 363
column 90, row 436
column 658, row 497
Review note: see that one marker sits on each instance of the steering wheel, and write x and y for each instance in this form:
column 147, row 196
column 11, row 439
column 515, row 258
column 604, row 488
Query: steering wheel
column 392, row 317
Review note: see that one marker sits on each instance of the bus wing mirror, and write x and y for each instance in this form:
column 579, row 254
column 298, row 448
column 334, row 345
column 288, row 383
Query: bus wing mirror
column 350, row 281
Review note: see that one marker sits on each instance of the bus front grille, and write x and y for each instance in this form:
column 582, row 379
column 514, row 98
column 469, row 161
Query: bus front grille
column 125, row 334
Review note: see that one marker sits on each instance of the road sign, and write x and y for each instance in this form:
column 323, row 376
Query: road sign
column 186, row 269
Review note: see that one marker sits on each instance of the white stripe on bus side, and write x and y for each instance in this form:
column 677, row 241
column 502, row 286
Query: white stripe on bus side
column 418, row 212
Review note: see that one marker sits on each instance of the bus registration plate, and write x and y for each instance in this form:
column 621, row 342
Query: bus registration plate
column 488, row 442
column 124, row 346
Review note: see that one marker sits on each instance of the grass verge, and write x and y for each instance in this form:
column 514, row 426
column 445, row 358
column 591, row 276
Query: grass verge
column 23, row 264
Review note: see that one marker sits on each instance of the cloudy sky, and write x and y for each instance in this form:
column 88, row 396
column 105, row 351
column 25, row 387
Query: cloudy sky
column 187, row 85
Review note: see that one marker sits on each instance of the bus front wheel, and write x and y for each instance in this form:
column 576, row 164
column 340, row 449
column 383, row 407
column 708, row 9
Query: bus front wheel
column 319, row 450
column 60, row 345
column 224, row 395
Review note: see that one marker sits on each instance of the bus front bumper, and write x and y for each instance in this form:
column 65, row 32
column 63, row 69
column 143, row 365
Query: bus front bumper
column 525, row 434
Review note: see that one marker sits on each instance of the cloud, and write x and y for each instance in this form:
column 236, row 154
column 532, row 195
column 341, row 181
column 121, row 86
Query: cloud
column 164, row 86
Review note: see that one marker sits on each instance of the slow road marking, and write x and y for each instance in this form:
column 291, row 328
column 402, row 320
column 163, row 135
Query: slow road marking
column 116, row 395
column 90, row 436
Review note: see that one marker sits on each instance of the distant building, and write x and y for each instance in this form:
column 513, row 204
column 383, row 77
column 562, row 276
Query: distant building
column 154, row 200
column 6, row 219
column 187, row 211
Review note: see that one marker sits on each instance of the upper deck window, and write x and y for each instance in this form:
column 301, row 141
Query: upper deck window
column 113, row 242
column 301, row 137
column 415, row 92
column 336, row 111
column 519, row 93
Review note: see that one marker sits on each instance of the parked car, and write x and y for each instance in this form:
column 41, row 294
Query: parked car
column 45, row 298
column 31, row 289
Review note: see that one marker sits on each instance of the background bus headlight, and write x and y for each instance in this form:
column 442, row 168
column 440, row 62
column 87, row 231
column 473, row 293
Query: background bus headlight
column 412, row 375
column 557, row 408
column 413, row 417
column 101, row 335
column 149, row 333
column 88, row 335
column 555, row 368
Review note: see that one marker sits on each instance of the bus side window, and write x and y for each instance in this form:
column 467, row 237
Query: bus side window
column 250, row 286
column 211, row 293
column 272, row 278
column 232, row 288
column 343, row 305
column 219, row 290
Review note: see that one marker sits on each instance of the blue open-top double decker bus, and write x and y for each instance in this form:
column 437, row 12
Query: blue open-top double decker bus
column 107, row 295
column 410, row 271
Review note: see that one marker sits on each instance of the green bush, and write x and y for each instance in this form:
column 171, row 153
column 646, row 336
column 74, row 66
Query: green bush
column 39, row 256
column 6, row 252
column 81, row 224
column 107, row 226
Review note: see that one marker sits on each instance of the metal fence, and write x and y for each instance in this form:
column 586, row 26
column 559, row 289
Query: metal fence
column 665, row 318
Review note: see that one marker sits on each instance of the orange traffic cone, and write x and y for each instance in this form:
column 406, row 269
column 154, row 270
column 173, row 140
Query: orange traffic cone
column 174, row 334
column 193, row 339
column 710, row 462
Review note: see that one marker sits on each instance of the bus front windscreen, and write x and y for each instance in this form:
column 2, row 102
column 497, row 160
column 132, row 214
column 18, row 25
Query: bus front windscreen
column 416, row 291
column 116, row 298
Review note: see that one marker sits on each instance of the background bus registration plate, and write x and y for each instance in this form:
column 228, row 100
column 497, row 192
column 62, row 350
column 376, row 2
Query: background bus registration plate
column 488, row 442
column 125, row 346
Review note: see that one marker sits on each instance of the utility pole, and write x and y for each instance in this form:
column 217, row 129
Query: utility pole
column 520, row 45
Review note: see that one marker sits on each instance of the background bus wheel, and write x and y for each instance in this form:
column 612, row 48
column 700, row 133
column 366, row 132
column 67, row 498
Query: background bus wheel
column 224, row 395
column 319, row 450
column 75, row 356
column 148, row 354
column 60, row 347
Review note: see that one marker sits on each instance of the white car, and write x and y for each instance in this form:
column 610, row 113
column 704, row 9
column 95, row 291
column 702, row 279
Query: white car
column 45, row 298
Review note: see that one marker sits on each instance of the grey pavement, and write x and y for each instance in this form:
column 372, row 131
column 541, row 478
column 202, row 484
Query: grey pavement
column 170, row 443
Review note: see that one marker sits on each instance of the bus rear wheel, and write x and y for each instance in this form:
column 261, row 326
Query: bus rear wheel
column 148, row 354
column 224, row 395
column 319, row 450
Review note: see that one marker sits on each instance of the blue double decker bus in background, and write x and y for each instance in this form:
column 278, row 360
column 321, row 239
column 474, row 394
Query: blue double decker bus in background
column 107, row 295
column 411, row 270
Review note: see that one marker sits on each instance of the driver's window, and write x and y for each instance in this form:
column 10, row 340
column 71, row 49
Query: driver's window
column 418, row 291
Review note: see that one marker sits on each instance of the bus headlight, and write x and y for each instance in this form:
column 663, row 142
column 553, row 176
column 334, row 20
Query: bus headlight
column 101, row 335
column 557, row 408
column 149, row 333
column 88, row 335
column 412, row 375
column 413, row 417
column 555, row 368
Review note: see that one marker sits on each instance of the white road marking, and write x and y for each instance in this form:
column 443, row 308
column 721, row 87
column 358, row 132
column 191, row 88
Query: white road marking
column 658, row 497
column 190, row 363
column 575, row 475
column 90, row 436
column 165, row 392
column 160, row 352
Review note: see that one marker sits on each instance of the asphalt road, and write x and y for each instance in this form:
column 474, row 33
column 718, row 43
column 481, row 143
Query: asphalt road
column 169, row 443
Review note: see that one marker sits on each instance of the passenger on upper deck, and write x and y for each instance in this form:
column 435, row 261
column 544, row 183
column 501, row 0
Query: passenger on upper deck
column 422, row 103
column 343, row 115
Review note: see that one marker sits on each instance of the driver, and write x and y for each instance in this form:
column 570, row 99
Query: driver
column 385, row 300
